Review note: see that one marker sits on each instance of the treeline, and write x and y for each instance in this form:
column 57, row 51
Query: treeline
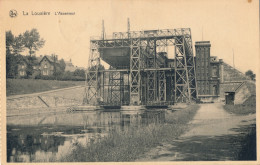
column 29, row 43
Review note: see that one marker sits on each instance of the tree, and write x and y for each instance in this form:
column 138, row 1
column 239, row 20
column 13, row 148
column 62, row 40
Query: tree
column 12, row 52
column 62, row 65
column 18, row 45
column 250, row 74
column 29, row 68
column 9, row 39
column 14, row 44
column 80, row 73
column 32, row 41
column 11, row 65
column 59, row 68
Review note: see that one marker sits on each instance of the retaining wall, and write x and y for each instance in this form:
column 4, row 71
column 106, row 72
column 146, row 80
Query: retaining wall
column 56, row 98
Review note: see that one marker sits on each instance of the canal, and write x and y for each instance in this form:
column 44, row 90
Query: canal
column 44, row 137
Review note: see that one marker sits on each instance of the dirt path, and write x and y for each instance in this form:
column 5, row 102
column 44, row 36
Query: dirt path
column 214, row 135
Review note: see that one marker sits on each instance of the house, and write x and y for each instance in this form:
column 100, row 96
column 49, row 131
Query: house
column 44, row 65
column 35, row 66
column 69, row 66
column 22, row 65
column 48, row 64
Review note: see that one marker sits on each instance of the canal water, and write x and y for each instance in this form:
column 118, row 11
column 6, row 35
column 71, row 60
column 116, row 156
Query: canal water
column 52, row 136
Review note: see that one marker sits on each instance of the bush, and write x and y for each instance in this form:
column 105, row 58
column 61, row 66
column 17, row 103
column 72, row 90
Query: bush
column 37, row 76
column 48, row 77
column 67, row 76
column 70, row 76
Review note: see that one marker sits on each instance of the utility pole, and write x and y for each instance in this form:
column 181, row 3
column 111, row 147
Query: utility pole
column 103, row 30
column 128, row 27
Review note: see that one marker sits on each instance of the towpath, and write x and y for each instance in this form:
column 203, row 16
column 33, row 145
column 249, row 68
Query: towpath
column 214, row 135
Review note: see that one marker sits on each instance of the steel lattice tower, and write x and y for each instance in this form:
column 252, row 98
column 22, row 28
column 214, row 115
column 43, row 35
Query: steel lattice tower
column 185, row 77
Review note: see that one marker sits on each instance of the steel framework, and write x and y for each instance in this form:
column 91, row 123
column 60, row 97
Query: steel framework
column 147, row 71
column 92, row 83
column 115, row 89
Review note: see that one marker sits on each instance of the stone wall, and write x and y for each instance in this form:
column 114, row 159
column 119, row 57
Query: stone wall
column 232, row 80
column 228, row 87
column 230, row 74
column 24, row 102
column 57, row 98
column 242, row 94
column 243, row 90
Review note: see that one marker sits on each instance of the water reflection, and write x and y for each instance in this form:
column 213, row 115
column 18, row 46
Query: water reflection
column 50, row 137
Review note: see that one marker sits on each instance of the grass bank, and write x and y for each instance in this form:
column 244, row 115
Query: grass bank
column 248, row 107
column 132, row 143
column 27, row 86
column 248, row 150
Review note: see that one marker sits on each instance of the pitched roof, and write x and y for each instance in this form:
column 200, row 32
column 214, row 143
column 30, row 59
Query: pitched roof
column 22, row 58
column 50, row 59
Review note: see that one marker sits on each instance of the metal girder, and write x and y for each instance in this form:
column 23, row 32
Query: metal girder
column 151, row 86
column 185, row 78
column 122, row 39
column 151, row 63
column 92, row 84
column 113, row 43
column 162, row 86
column 163, row 33
column 135, row 62
column 172, row 86
column 115, row 89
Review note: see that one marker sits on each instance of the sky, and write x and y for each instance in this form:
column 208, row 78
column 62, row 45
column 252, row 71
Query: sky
column 230, row 25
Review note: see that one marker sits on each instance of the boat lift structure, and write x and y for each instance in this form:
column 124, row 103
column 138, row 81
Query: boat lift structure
column 140, row 71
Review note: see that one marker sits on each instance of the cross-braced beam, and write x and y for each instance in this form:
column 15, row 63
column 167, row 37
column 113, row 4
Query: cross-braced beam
column 115, row 88
column 185, row 79
column 135, row 72
column 92, row 84
column 162, row 86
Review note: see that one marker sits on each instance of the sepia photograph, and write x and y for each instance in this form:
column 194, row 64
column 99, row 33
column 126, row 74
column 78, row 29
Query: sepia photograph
column 135, row 81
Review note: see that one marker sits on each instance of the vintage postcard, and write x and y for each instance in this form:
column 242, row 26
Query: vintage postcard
column 134, row 81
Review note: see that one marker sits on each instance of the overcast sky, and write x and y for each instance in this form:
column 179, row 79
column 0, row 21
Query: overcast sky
column 228, row 25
